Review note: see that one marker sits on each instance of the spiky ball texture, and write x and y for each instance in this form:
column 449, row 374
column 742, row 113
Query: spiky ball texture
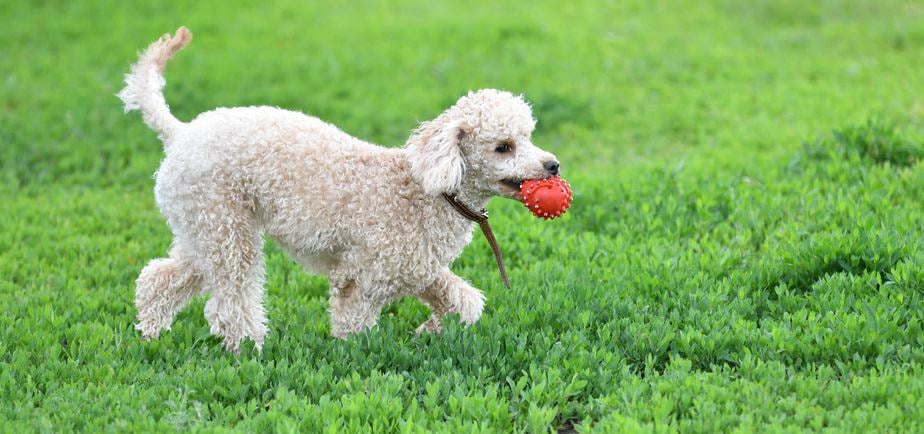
column 546, row 198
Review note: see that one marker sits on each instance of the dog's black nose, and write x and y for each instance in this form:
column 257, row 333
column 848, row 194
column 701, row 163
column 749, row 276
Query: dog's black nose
column 551, row 166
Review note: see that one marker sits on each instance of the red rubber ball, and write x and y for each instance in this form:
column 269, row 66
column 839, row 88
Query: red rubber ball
column 546, row 198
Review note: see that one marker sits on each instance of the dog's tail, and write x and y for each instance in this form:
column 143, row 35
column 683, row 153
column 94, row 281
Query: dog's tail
column 144, row 84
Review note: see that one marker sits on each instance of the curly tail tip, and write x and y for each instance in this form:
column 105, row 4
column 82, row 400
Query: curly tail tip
column 145, row 82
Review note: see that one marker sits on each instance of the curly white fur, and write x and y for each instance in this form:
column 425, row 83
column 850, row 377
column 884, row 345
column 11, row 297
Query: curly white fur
column 371, row 218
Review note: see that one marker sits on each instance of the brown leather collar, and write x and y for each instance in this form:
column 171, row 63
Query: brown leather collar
column 482, row 219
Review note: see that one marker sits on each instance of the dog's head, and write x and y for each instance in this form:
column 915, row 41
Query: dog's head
column 481, row 145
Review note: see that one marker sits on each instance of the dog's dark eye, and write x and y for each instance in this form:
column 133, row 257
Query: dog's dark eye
column 503, row 148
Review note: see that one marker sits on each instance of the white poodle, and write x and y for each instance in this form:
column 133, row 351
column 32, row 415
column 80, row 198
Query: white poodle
column 373, row 219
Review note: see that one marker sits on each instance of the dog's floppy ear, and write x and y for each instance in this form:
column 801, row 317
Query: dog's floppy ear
column 436, row 156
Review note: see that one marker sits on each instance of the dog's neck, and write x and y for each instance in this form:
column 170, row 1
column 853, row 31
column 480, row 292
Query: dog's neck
column 472, row 194
column 471, row 200
column 474, row 214
column 480, row 216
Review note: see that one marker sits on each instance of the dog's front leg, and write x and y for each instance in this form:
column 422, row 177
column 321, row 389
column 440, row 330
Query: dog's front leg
column 450, row 294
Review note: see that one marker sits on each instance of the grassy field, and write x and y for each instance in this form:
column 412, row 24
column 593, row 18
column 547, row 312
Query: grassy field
column 744, row 251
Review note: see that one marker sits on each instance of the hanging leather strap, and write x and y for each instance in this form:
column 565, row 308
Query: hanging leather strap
column 482, row 219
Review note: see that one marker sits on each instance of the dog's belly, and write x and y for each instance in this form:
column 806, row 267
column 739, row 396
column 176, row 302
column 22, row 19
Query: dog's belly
column 317, row 251
column 318, row 264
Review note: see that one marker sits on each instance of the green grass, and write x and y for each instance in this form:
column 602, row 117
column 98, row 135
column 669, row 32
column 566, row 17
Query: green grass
column 745, row 250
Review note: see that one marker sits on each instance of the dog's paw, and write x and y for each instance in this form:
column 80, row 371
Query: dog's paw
column 150, row 328
column 431, row 325
column 471, row 304
column 232, row 346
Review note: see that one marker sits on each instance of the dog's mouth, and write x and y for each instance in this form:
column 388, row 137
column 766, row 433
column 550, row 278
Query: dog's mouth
column 510, row 188
column 512, row 183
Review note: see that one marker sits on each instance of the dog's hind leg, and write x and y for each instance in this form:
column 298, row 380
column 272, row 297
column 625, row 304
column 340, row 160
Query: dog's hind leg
column 163, row 288
column 233, row 247
column 353, row 307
